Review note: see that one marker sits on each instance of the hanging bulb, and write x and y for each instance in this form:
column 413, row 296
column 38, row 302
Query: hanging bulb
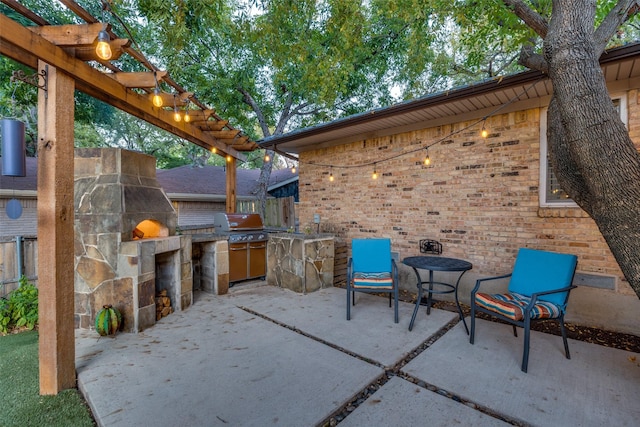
column 214, row 150
column 330, row 176
column 228, row 158
column 484, row 133
column 293, row 169
column 427, row 159
column 187, row 117
column 266, row 157
column 157, row 99
column 375, row 173
column 176, row 115
column 103, row 50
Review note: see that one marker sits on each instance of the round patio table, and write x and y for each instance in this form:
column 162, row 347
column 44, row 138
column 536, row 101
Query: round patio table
column 436, row 263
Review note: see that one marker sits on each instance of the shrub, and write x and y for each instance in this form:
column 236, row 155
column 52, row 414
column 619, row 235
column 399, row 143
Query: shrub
column 20, row 308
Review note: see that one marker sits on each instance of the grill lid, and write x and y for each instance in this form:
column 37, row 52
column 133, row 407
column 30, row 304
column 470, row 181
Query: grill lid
column 229, row 222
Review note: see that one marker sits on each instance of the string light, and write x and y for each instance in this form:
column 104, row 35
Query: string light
column 293, row 169
column 266, row 157
column 187, row 117
column 157, row 99
column 228, row 158
column 214, row 150
column 176, row 114
column 484, row 132
column 103, row 49
column 427, row 160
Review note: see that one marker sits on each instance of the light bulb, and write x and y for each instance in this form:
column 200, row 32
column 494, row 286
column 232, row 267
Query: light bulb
column 266, row 158
column 293, row 169
column 103, row 50
column 375, row 175
column 214, row 150
column 187, row 117
column 176, row 115
column 228, row 158
column 157, row 99
column 427, row 159
column 331, row 177
column 484, row 133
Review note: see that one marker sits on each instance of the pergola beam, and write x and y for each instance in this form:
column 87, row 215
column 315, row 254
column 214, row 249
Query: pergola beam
column 25, row 46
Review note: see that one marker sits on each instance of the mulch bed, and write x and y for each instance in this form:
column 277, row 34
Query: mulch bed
column 598, row 336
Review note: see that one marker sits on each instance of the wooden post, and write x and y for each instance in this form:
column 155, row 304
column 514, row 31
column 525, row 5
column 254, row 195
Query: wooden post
column 55, row 232
column 231, row 184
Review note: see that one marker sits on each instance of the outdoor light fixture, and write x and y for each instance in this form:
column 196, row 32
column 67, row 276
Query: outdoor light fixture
column 375, row 173
column 330, row 176
column 103, row 50
column 176, row 114
column 13, row 147
column 484, row 132
column 293, row 169
column 266, row 157
column 427, row 160
column 157, row 99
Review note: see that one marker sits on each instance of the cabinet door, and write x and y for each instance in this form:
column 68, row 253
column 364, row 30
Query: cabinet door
column 257, row 259
column 238, row 260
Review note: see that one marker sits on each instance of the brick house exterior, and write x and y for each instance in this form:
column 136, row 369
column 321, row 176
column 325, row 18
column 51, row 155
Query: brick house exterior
column 480, row 197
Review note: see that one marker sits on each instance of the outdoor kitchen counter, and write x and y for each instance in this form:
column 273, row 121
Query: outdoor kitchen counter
column 208, row 237
column 300, row 262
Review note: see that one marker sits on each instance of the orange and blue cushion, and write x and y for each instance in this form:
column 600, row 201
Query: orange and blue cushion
column 511, row 305
column 372, row 280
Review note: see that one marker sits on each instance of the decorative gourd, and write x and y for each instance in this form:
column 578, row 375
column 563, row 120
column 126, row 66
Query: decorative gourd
column 108, row 320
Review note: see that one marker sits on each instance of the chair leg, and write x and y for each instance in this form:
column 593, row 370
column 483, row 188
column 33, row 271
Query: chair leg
column 527, row 334
column 564, row 337
column 515, row 331
column 473, row 320
column 395, row 307
column 348, row 303
column 389, row 299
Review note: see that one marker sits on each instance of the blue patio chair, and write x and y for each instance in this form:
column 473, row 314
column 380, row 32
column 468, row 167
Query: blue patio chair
column 538, row 290
column 371, row 269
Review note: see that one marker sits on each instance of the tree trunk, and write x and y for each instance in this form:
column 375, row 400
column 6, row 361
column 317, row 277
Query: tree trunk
column 591, row 152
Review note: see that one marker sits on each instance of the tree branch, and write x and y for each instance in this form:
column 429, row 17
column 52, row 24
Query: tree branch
column 622, row 11
column 248, row 99
column 530, row 17
column 532, row 60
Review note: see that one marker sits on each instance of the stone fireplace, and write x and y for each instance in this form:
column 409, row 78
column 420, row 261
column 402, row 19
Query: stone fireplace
column 126, row 249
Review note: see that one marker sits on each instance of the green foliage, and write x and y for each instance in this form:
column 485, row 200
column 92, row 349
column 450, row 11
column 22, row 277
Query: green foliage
column 20, row 308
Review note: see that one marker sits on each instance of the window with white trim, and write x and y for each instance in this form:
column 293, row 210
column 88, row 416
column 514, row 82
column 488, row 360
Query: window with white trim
column 551, row 195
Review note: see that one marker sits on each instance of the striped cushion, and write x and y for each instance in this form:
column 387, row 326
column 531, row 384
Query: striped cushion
column 373, row 280
column 511, row 305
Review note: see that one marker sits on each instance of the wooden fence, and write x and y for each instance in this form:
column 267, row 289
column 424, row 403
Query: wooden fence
column 15, row 261
column 280, row 213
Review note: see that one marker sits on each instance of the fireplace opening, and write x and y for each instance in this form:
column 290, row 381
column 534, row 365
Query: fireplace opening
column 167, row 283
column 149, row 228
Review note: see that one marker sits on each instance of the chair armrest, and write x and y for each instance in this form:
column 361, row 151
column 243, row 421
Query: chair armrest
column 486, row 279
column 534, row 296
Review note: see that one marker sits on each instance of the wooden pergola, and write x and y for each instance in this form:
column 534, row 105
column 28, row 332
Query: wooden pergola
column 64, row 58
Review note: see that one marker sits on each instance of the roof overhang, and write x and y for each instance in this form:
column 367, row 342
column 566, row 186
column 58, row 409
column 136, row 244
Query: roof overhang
column 530, row 89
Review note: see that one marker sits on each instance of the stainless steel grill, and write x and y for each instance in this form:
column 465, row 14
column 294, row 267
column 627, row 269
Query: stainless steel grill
column 247, row 245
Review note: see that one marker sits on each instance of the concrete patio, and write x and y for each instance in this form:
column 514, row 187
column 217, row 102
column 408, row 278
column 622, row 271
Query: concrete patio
column 263, row 355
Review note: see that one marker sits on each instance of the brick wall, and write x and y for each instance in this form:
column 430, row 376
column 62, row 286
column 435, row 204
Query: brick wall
column 479, row 197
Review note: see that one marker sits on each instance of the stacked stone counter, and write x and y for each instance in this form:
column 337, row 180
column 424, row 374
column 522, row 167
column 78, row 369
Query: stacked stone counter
column 300, row 262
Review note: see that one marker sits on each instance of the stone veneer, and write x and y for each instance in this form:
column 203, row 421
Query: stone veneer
column 114, row 191
column 299, row 262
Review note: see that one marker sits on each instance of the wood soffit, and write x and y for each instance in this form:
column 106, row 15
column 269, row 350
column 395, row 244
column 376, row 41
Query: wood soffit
column 71, row 48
